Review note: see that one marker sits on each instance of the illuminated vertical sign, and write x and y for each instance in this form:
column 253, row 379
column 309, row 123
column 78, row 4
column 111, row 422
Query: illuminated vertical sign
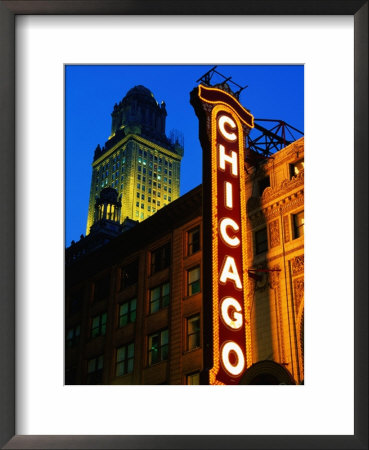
column 223, row 124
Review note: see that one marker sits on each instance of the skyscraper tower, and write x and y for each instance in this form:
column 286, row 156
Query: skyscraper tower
column 138, row 159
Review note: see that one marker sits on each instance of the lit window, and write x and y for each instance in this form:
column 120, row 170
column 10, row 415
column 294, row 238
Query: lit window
column 127, row 312
column 153, row 209
column 137, row 213
column 193, row 281
column 159, row 297
column 160, row 258
column 298, row 224
column 261, row 241
column 98, row 325
column 142, row 214
column 73, row 335
column 158, row 347
column 125, row 359
column 193, row 378
column 95, row 370
column 193, row 332
column 296, row 168
column 193, row 241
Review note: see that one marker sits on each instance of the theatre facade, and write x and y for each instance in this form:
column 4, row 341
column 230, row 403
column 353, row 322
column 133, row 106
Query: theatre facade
column 139, row 309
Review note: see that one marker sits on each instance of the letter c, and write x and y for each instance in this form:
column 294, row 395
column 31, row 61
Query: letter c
column 227, row 120
column 224, row 224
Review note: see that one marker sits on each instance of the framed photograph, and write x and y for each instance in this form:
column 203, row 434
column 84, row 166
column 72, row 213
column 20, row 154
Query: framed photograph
column 64, row 65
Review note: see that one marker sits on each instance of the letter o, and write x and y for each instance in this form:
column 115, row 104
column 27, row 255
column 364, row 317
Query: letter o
column 237, row 369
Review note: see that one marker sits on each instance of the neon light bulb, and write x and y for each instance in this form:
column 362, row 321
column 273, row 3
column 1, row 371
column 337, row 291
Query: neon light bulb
column 230, row 272
column 227, row 120
column 229, row 194
column 236, row 321
column 223, row 158
column 224, row 224
column 236, row 369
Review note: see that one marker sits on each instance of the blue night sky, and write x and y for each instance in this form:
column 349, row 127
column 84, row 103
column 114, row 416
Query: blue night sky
column 274, row 92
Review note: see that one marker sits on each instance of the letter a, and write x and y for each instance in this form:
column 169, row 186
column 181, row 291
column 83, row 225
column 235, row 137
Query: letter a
column 230, row 272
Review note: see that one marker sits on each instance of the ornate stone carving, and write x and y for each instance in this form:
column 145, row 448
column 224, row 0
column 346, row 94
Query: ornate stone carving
column 298, row 288
column 274, row 233
column 274, row 275
column 286, row 186
column 298, row 265
column 286, row 228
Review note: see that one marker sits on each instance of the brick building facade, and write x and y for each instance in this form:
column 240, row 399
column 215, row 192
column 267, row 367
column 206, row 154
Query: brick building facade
column 134, row 307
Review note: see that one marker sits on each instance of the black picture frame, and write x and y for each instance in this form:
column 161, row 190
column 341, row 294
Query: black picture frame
column 8, row 10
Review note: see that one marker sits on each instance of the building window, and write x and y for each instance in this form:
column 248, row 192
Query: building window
column 193, row 378
column 75, row 301
column 127, row 312
column 160, row 258
column 296, row 168
column 98, row 325
column 193, row 241
column 102, row 287
column 95, row 368
column 261, row 241
column 193, row 332
column 263, row 184
column 158, row 347
column 71, row 375
column 73, row 335
column 129, row 274
column 159, row 297
column 298, row 224
column 125, row 359
column 193, row 281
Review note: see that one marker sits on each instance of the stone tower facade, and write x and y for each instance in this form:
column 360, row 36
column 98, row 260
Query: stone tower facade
column 138, row 159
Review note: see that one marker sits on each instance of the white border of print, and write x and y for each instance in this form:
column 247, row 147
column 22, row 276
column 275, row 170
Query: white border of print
column 325, row 45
